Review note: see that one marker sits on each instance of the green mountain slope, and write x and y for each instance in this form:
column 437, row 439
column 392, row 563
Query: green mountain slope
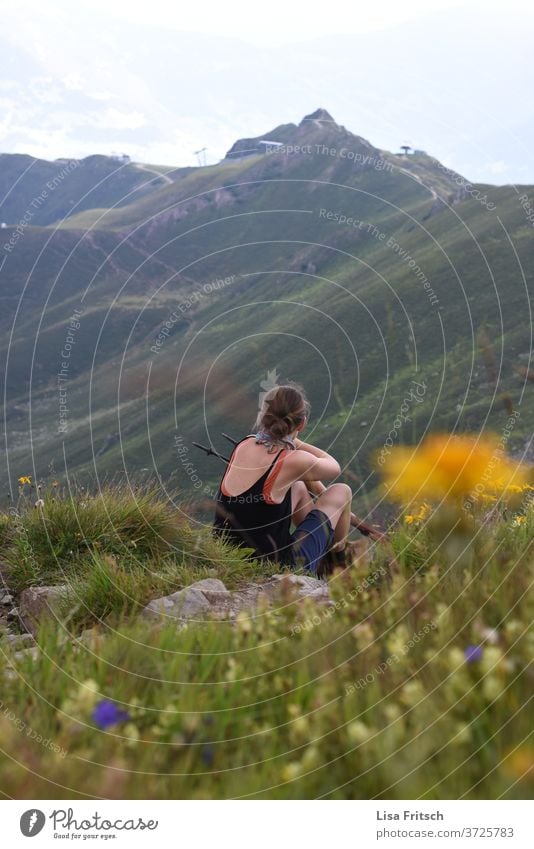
column 37, row 192
column 360, row 273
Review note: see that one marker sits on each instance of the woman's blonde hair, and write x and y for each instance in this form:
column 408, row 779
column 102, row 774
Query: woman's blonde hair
column 283, row 409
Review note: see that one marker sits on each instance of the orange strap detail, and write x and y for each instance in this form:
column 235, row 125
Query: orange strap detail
column 269, row 483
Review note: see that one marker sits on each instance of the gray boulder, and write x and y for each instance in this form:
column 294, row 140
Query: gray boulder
column 209, row 598
column 38, row 603
column 189, row 603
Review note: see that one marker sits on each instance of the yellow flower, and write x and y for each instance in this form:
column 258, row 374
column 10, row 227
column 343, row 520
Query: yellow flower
column 25, row 479
column 452, row 467
column 418, row 517
column 520, row 764
column 517, row 521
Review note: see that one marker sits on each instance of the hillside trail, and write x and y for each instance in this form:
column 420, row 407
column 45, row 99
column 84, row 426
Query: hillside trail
column 151, row 171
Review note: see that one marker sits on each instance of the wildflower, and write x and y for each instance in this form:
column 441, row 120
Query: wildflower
column 300, row 727
column 363, row 634
column 190, row 723
column 490, row 635
column 518, row 520
column 492, row 687
column 520, row 763
column 87, row 692
column 359, row 732
column 311, row 757
column 291, row 771
column 207, row 755
column 231, row 670
column 25, row 479
column 412, row 693
column 107, row 713
column 472, row 654
column 39, row 503
column 131, row 733
column 456, row 657
column 514, row 626
column 418, row 517
column 463, row 734
column 492, row 657
column 392, row 712
column 451, row 467
column 397, row 641
column 243, row 622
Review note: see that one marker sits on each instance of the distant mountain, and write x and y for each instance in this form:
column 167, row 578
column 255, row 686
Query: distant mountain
column 38, row 192
column 316, row 257
column 88, row 83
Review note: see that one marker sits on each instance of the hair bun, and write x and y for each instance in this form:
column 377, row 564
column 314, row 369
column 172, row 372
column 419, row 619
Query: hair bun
column 283, row 408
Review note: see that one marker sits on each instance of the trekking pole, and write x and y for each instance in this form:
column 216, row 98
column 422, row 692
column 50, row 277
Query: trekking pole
column 211, row 452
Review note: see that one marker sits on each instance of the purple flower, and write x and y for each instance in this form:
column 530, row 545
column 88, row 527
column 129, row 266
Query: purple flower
column 207, row 754
column 472, row 654
column 107, row 713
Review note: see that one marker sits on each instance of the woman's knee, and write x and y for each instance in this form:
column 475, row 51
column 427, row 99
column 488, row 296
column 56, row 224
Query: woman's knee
column 341, row 492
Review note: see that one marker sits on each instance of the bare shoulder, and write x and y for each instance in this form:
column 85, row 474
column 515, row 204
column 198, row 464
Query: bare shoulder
column 299, row 461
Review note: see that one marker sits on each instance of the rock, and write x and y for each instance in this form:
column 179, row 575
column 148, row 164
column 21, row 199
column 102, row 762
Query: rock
column 212, row 588
column 20, row 640
column 209, row 598
column 90, row 637
column 184, row 604
column 299, row 585
column 33, row 653
column 6, row 599
column 36, row 603
column 209, row 584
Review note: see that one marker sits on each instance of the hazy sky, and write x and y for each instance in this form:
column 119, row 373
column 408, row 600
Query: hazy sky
column 270, row 23
column 158, row 81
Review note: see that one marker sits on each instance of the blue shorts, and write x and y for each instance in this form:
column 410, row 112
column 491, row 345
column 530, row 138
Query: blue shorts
column 311, row 539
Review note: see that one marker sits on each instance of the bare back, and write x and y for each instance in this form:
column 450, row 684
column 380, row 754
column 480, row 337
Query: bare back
column 250, row 461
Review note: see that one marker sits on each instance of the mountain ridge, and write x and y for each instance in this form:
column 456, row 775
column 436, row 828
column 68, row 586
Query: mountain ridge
column 330, row 263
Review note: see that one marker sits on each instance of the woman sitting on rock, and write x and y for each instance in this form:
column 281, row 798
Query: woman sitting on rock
column 260, row 496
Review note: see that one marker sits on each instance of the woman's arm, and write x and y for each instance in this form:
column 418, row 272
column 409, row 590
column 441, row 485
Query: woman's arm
column 311, row 449
column 316, row 487
column 316, row 463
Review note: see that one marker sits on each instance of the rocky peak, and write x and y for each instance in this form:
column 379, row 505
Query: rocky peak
column 318, row 116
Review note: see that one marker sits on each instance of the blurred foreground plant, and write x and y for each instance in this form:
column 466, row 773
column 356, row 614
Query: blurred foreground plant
column 458, row 475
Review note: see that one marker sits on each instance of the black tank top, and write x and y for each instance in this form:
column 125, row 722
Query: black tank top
column 249, row 521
